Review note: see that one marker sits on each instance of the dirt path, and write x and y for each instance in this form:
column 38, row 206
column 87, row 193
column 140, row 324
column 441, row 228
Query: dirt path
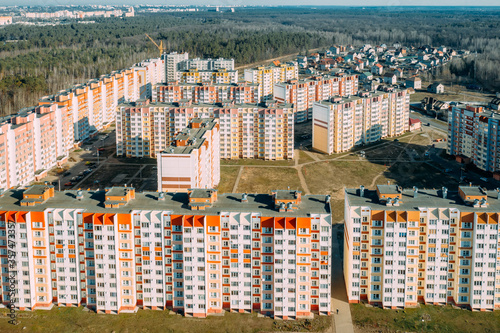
column 237, row 181
column 303, row 182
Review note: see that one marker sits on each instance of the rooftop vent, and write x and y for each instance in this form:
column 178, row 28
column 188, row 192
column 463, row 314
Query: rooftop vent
column 244, row 197
column 415, row 191
column 327, row 199
column 361, row 191
column 444, row 191
column 161, row 196
column 79, row 195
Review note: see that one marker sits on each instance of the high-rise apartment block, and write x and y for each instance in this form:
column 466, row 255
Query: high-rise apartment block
column 473, row 133
column 340, row 123
column 206, row 64
column 264, row 131
column 39, row 138
column 268, row 76
column 32, row 142
column 405, row 246
column 172, row 61
column 303, row 93
column 206, row 92
column 193, row 160
column 198, row 253
column 217, row 76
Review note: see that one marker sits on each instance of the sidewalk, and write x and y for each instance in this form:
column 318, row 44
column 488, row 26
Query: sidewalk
column 343, row 320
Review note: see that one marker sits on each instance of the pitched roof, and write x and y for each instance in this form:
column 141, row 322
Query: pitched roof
column 378, row 65
column 414, row 121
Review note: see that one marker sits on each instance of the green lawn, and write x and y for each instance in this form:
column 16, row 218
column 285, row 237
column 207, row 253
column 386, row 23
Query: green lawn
column 263, row 180
column 250, row 162
column 436, row 319
column 75, row 320
column 228, row 177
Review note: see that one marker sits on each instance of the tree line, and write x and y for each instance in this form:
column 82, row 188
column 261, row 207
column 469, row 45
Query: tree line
column 35, row 61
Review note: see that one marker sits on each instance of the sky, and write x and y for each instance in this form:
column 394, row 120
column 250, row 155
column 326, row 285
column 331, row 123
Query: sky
column 260, row 2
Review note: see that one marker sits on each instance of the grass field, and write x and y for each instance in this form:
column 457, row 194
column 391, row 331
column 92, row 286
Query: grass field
column 436, row 319
column 228, row 177
column 76, row 320
column 304, row 157
column 263, row 180
column 256, row 162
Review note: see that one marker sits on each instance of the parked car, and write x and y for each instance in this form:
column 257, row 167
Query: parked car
column 484, row 179
column 69, row 184
column 100, row 149
column 67, row 173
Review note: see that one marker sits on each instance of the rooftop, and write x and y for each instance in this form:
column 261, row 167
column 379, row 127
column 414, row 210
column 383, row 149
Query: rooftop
column 93, row 201
column 38, row 189
column 425, row 198
column 388, row 189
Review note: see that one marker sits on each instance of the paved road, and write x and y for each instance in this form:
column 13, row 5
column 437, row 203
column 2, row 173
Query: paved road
column 435, row 124
column 343, row 320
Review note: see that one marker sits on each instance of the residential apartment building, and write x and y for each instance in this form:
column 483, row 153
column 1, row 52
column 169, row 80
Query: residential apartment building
column 268, row 76
column 340, row 123
column 192, row 161
column 172, row 61
column 149, row 73
column 198, row 253
column 264, row 130
column 206, row 64
column 409, row 246
column 32, row 142
column 473, row 133
column 303, row 93
column 206, row 92
column 216, row 76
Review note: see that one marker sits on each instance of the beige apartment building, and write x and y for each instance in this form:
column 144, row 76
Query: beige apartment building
column 264, row 131
column 303, row 93
column 198, row 253
column 408, row 246
column 341, row 123
column 268, row 76
column 192, row 161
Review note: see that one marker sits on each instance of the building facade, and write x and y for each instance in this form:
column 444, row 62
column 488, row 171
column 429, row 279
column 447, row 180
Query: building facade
column 192, row 161
column 207, row 64
column 198, row 253
column 409, row 246
column 216, row 76
column 264, row 131
column 343, row 123
column 206, row 92
column 473, row 133
column 172, row 61
column 303, row 93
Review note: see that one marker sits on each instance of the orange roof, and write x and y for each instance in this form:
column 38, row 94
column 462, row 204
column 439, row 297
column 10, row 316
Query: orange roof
column 378, row 65
column 276, row 62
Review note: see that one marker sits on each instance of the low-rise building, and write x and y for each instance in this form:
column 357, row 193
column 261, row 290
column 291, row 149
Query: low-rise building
column 436, row 88
column 414, row 82
column 415, row 124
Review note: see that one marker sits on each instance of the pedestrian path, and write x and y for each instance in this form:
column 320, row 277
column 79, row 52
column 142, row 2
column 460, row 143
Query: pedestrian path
column 342, row 319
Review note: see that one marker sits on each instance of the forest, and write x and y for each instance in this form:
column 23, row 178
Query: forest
column 36, row 61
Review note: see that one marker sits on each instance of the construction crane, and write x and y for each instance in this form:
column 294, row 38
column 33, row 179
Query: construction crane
column 160, row 47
